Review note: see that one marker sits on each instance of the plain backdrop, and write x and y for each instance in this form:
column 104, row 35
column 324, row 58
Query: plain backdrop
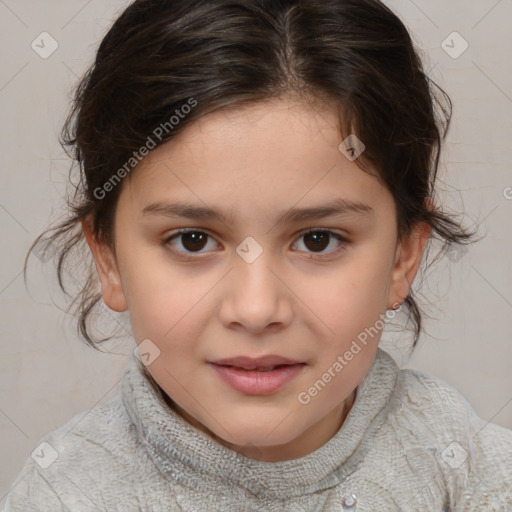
column 47, row 375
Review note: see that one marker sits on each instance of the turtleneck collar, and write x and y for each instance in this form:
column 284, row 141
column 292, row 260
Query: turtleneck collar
column 187, row 455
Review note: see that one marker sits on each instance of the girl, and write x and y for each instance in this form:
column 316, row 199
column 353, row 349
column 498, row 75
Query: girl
column 257, row 191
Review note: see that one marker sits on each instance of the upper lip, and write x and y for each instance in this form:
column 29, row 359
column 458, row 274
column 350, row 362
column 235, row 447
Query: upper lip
column 251, row 363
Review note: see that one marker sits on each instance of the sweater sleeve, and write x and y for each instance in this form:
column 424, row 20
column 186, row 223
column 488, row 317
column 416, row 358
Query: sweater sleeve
column 32, row 493
column 489, row 482
column 60, row 481
column 474, row 455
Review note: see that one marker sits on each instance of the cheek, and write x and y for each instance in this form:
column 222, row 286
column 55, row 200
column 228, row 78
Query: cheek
column 347, row 299
column 155, row 295
column 370, row 272
column 166, row 303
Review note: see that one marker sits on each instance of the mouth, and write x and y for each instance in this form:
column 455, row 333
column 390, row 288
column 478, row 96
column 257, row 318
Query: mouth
column 258, row 368
column 263, row 363
column 257, row 377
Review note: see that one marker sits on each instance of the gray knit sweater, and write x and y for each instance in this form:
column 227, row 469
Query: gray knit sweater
column 409, row 443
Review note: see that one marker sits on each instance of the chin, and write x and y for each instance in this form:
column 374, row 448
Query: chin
column 257, row 435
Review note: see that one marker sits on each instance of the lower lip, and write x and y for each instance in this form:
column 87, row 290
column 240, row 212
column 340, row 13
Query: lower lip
column 254, row 382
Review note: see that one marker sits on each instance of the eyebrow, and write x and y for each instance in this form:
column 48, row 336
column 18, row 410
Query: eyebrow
column 337, row 207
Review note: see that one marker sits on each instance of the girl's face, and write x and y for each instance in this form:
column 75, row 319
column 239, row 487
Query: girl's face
column 248, row 280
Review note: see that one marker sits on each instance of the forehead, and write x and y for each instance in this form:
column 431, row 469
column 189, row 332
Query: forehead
column 268, row 155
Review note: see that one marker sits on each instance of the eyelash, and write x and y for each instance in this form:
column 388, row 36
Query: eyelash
column 186, row 257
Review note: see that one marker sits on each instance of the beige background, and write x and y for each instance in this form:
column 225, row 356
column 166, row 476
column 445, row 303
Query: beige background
column 47, row 375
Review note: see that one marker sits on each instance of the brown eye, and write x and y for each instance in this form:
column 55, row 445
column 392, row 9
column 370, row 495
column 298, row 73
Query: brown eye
column 194, row 241
column 188, row 241
column 316, row 241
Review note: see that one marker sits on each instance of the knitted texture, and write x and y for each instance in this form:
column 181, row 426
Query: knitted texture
column 409, row 443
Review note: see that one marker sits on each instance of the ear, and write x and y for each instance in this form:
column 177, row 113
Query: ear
column 407, row 261
column 106, row 266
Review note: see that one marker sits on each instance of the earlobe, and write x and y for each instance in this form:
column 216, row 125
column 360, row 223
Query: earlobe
column 106, row 266
column 407, row 261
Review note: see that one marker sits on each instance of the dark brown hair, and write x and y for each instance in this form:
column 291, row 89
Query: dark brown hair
column 160, row 55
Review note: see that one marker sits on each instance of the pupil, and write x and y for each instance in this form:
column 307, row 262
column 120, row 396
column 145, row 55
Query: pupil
column 193, row 241
column 320, row 240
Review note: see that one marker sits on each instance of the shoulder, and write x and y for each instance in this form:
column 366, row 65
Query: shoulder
column 103, row 431
column 419, row 397
column 442, row 407
column 435, row 402
column 474, row 455
column 72, row 466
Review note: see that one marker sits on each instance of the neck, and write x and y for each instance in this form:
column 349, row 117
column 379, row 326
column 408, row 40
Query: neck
column 307, row 442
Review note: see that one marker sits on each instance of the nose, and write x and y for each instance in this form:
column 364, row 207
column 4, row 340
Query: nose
column 255, row 298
